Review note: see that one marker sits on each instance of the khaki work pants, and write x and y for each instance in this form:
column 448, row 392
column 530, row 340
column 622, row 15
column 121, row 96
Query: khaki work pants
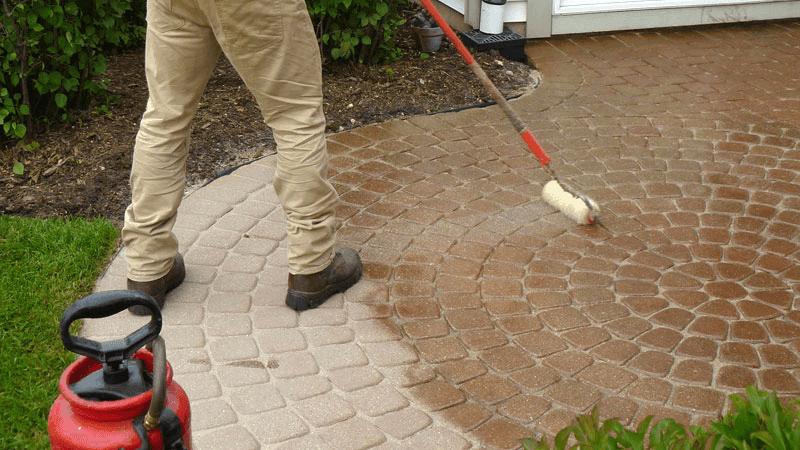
column 272, row 45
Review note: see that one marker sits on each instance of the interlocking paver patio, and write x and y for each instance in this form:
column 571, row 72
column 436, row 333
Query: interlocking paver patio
column 484, row 315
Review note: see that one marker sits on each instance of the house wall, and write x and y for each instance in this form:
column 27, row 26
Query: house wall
column 581, row 16
column 544, row 18
column 463, row 15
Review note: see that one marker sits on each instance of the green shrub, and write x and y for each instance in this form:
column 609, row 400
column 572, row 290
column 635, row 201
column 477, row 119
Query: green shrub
column 52, row 51
column 51, row 56
column 360, row 30
column 758, row 422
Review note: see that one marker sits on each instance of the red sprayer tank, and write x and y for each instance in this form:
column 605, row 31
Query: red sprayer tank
column 118, row 395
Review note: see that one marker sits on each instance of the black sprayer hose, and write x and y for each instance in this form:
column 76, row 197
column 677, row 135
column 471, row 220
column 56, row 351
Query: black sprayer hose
column 159, row 398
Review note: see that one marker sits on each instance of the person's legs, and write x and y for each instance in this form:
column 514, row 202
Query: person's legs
column 180, row 54
column 272, row 45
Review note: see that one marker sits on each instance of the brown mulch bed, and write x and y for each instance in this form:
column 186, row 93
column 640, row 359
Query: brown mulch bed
column 82, row 169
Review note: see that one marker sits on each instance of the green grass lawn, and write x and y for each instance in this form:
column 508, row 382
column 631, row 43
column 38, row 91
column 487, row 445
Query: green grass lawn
column 45, row 265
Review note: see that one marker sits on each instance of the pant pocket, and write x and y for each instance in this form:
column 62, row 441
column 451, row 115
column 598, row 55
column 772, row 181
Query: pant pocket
column 161, row 16
column 251, row 24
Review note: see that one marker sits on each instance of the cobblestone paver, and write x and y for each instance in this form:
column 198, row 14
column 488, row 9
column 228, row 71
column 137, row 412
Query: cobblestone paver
column 485, row 316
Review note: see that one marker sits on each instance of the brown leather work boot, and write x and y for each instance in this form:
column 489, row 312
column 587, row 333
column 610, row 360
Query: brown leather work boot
column 309, row 291
column 159, row 288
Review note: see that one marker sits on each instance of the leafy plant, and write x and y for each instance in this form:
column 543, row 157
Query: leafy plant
column 360, row 30
column 51, row 56
column 668, row 434
column 758, row 422
column 591, row 434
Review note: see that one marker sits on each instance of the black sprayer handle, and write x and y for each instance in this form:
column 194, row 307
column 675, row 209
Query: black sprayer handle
column 105, row 304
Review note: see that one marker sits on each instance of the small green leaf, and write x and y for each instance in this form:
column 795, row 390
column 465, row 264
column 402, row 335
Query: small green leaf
column 20, row 130
column 19, row 168
column 61, row 100
column 46, row 12
column 56, row 78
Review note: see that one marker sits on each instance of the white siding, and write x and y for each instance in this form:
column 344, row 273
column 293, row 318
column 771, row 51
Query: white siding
column 614, row 16
column 543, row 18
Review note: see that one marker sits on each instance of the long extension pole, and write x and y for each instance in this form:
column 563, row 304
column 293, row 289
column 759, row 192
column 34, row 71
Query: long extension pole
column 574, row 205
column 523, row 130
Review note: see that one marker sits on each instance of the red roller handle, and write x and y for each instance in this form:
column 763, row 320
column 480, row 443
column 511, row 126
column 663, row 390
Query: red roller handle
column 536, row 149
column 527, row 136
